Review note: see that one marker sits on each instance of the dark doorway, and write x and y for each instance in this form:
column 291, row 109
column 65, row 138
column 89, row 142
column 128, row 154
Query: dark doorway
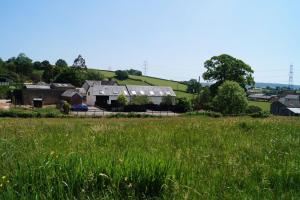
column 101, row 101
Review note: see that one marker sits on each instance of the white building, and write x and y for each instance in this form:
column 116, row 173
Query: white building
column 108, row 94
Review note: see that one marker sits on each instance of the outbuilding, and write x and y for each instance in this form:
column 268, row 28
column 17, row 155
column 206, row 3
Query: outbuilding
column 72, row 96
column 286, row 106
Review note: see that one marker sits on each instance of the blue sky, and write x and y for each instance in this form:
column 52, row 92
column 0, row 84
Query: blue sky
column 174, row 36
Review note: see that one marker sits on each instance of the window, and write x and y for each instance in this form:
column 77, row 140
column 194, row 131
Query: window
column 101, row 92
column 161, row 93
column 89, row 93
column 142, row 92
column 151, row 93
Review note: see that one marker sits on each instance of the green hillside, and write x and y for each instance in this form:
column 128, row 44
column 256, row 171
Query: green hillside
column 178, row 87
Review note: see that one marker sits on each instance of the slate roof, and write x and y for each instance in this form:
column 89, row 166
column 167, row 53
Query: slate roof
column 40, row 87
column 290, row 101
column 152, row 91
column 62, row 85
column 108, row 90
column 70, row 93
column 91, row 82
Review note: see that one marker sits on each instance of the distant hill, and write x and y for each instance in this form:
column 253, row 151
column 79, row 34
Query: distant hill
column 274, row 85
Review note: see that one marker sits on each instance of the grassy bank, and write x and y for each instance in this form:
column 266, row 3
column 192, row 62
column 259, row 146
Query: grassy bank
column 164, row 158
column 265, row 106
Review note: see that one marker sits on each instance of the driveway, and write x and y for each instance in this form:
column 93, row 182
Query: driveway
column 4, row 104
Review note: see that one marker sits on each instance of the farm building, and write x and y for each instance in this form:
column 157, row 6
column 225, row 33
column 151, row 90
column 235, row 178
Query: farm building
column 154, row 93
column 286, row 106
column 50, row 93
column 72, row 96
column 88, row 83
column 261, row 97
column 108, row 94
column 102, row 95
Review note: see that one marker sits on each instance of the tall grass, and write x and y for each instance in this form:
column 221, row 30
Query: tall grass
column 156, row 158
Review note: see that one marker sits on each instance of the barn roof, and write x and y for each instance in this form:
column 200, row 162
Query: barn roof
column 62, row 85
column 35, row 86
column 91, row 82
column 290, row 101
column 71, row 93
column 155, row 91
column 108, row 90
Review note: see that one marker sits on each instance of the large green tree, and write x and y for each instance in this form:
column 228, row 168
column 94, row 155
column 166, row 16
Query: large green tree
column 61, row 63
column 227, row 68
column 230, row 99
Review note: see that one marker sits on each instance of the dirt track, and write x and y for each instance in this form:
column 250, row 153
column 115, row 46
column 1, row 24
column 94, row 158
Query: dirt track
column 4, row 105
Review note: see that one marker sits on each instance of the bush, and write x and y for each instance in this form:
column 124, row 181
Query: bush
column 122, row 100
column 261, row 114
column 121, row 74
column 253, row 109
column 182, row 105
column 139, row 100
column 230, row 99
column 66, row 108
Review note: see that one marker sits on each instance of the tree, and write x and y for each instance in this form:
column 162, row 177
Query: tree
column 121, row 74
column 79, row 63
column 61, row 63
column 122, row 100
column 73, row 76
column 23, row 64
column 193, row 86
column 227, row 68
column 203, row 100
column 45, row 64
column 230, row 99
column 37, row 65
column 135, row 72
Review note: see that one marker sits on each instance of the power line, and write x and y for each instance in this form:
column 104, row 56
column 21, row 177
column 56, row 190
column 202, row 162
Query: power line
column 291, row 77
column 145, row 67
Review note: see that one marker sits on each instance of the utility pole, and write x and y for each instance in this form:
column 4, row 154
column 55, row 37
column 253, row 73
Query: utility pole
column 145, row 67
column 291, row 77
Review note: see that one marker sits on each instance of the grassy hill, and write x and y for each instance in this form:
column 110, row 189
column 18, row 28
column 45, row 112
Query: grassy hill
column 157, row 158
column 179, row 88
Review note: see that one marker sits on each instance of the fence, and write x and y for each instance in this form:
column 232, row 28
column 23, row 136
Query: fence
column 102, row 113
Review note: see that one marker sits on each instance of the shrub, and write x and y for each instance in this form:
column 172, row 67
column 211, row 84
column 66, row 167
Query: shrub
column 140, row 100
column 122, row 100
column 261, row 114
column 183, row 105
column 121, row 74
column 203, row 100
column 253, row 109
column 230, row 99
column 66, row 108
column 167, row 101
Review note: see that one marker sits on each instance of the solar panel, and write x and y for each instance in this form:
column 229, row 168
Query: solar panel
column 133, row 92
column 151, row 93
column 142, row 92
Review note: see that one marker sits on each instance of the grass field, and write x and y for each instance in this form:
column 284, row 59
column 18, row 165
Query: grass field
column 159, row 158
column 263, row 105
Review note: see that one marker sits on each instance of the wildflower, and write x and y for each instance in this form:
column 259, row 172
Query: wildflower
column 52, row 152
column 1, row 185
column 3, row 177
column 7, row 181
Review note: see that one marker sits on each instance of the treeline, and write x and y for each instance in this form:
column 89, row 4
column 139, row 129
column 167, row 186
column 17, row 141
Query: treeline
column 22, row 69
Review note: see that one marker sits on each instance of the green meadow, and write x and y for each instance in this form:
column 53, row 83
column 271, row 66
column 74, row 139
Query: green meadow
column 151, row 158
